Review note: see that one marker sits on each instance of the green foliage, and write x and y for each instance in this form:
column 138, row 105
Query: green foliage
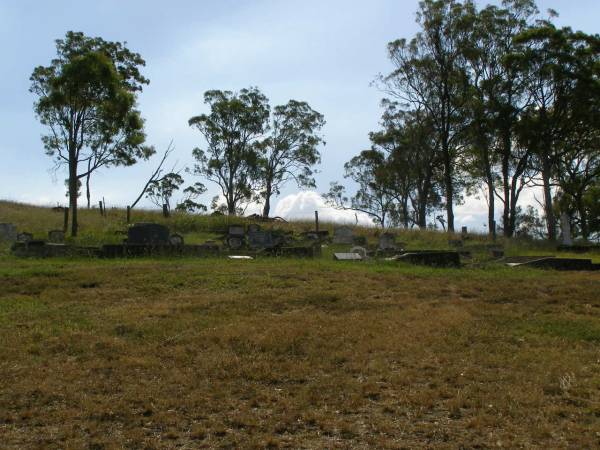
column 291, row 149
column 86, row 98
column 232, row 128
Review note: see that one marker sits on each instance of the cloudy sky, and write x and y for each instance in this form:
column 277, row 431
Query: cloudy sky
column 324, row 52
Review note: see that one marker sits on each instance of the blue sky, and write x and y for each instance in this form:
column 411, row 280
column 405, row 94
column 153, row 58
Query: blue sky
column 324, row 52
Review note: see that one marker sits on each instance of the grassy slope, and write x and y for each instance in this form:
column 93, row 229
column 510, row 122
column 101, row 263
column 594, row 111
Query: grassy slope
column 209, row 352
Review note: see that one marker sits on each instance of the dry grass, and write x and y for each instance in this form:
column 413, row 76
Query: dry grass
column 299, row 354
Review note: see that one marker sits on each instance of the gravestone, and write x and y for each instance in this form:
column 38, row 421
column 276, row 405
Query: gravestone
column 176, row 240
column 147, row 234
column 261, row 239
column 387, row 241
column 235, row 236
column 360, row 250
column 24, row 237
column 343, row 235
column 56, row 236
column 347, row 257
column 8, row 232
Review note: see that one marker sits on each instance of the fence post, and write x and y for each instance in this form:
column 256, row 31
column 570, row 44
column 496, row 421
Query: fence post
column 317, row 221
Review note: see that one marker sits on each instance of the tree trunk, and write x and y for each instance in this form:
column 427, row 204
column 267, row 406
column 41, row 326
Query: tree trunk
column 585, row 231
column 449, row 186
column 87, row 190
column 548, row 207
column 491, row 208
column 507, row 219
column 267, row 205
column 73, row 192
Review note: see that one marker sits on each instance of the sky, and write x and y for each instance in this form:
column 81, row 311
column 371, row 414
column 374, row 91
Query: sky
column 324, row 52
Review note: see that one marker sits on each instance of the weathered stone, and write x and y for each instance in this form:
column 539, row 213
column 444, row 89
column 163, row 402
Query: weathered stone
column 56, row 236
column 176, row 240
column 360, row 250
column 262, row 240
column 347, row 257
column 551, row 262
column 431, row 258
column 147, row 234
column 387, row 241
column 24, row 237
column 8, row 232
column 343, row 235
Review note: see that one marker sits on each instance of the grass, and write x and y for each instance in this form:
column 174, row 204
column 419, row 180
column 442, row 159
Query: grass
column 283, row 353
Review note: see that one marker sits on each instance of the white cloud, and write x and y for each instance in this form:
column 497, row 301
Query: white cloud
column 303, row 205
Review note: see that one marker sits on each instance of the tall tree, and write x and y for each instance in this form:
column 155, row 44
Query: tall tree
column 370, row 170
column 409, row 141
column 87, row 97
column 232, row 130
column 430, row 73
column 498, row 95
column 564, row 68
column 291, row 149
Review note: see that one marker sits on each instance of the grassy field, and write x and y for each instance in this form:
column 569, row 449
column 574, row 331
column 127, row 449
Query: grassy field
column 276, row 353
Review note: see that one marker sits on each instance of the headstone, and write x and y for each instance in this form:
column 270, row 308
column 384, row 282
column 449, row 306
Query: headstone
column 343, row 235
column 347, row 257
column 565, row 226
column 387, row 241
column 464, row 231
column 235, row 236
column 24, row 237
column 8, row 232
column 56, row 236
column 360, row 250
column 261, row 239
column 147, row 234
column 176, row 240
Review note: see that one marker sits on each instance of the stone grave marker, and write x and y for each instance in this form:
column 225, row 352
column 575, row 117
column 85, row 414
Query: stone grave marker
column 343, row 235
column 360, row 250
column 8, row 232
column 176, row 240
column 347, row 257
column 56, row 236
column 261, row 239
column 24, row 237
column 387, row 241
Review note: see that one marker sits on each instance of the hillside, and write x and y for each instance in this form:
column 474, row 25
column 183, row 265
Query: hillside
column 291, row 353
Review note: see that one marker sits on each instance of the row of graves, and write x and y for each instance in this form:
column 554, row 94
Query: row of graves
column 248, row 241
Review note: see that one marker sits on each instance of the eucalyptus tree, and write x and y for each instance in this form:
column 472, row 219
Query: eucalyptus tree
column 409, row 140
column 86, row 98
column 498, row 96
column 370, row 171
column 291, row 149
column 430, row 73
column 233, row 130
column 564, row 67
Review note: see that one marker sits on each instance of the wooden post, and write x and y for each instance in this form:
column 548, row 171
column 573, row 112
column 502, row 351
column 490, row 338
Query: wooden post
column 128, row 214
column 317, row 221
column 100, row 206
column 66, row 220
column 103, row 207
